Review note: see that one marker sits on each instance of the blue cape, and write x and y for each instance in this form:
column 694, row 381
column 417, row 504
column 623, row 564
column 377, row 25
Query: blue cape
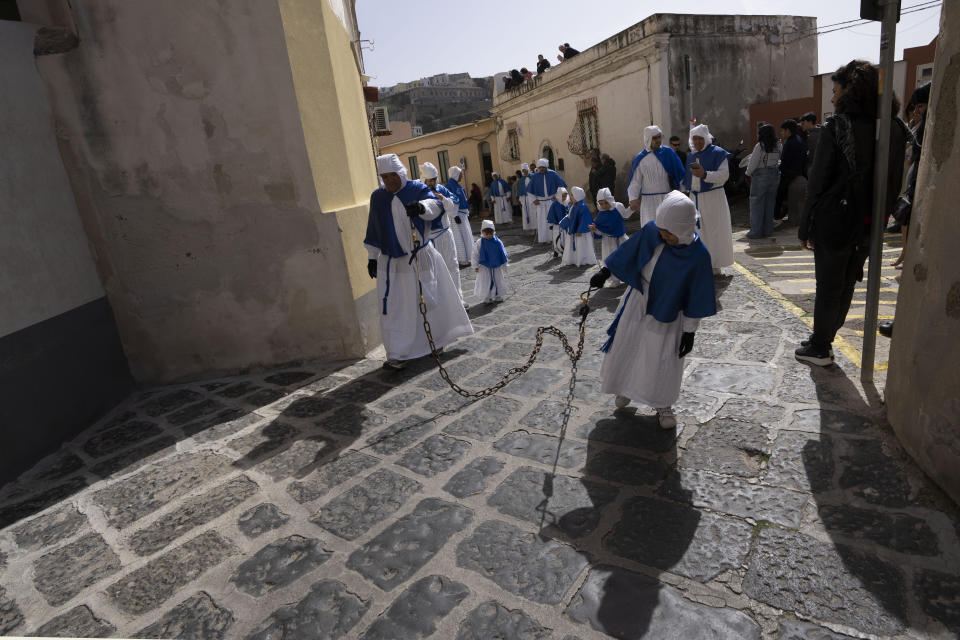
column 380, row 230
column 522, row 185
column 459, row 195
column 556, row 213
column 610, row 222
column 710, row 159
column 437, row 223
column 492, row 253
column 504, row 188
column 670, row 161
column 580, row 218
column 681, row 281
column 545, row 185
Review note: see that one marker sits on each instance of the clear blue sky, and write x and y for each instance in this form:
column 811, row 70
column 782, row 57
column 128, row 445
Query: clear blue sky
column 415, row 39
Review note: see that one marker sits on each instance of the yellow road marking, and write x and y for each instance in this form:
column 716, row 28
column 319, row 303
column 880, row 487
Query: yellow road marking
column 857, row 290
column 859, row 316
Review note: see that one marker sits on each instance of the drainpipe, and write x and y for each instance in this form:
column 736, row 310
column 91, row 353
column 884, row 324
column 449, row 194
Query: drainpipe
column 649, row 91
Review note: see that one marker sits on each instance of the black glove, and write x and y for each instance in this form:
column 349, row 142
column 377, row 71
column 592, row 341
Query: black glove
column 372, row 268
column 414, row 209
column 596, row 282
column 457, row 219
column 686, row 343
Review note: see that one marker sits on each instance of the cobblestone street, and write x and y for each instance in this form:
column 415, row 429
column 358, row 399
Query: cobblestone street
column 341, row 500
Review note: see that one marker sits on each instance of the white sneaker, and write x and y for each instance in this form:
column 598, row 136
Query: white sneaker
column 621, row 402
column 666, row 418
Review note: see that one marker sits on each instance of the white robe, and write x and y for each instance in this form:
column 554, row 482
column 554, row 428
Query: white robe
column 585, row 253
column 651, row 184
column 463, row 236
column 558, row 238
column 715, row 229
column 502, row 213
column 609, row 244
column 401, row 327
column 485, row 276
column 642, row 363
column 446, row 244
column 527, row 210
column 543, row 227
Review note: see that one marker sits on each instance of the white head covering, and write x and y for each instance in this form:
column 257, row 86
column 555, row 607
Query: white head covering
column 494, row 173
column 561, row 191
column 487, row 224
column 678, row 215
column 648, row 134
column 427, row 170
column 542, row 162
column 524, row 167
column 578, row 194
column 390, row 163
column 604, row 194
column 702, row 131
column 454, row 172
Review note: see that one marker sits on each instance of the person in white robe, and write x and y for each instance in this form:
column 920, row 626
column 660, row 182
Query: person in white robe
column 558, row 211
column 609, row 226
column 400, row 215
column 543, row 188
column 462, row 233
column 500, row 198
column 578, row 249
column 671, row 289
column 528, row 211
column 707, row 171
column 490, row 264
column 440, row 229
column 656, row 171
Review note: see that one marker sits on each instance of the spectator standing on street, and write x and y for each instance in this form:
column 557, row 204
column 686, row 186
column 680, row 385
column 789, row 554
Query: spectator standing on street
column 542, row 64
column 675, row 145
column 476, row 199
column 596, row 168
column 764, row 178
column 835, row 224
column 811, row 131
column 793, row 163
column 608, row 173
column 707, row 170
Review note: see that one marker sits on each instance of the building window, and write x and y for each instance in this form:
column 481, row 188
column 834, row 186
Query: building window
column 513, row 144
column 414, row 169
column 585, row 136
column 443, row 159
column 924, row 73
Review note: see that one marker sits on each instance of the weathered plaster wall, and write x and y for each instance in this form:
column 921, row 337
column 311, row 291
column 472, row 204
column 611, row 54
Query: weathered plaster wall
column 923, row 382
column 192, row 154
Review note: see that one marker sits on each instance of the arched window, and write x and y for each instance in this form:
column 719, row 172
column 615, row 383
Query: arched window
column 548, row 154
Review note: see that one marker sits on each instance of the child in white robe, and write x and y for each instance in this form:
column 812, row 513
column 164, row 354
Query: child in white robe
column 671, row 288
column 490, row 264
column 558, row 211
column 609, row 227
column 578, row 248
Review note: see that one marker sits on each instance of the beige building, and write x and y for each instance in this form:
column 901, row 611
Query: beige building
column 472, row 146
column 664, row 70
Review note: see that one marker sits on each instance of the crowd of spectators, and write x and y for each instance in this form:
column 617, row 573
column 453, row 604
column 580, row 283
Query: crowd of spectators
column 518, row 77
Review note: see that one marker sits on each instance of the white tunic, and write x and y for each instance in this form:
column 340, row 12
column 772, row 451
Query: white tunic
column 543, row 227
column 584, row 254
column 715, row 229
column 609, row 244
column 650, row 184
column 445, row 243
column 462, row 235
column 642, row 363
column 401, row 324
column 491, row 283
column 527, row 210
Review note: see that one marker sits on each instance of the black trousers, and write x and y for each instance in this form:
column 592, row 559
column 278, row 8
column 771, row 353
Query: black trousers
column 837, row 273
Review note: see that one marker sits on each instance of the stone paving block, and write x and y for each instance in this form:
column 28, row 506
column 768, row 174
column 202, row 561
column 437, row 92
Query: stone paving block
column 16, row 511
column 629, row 605
column 758, row 349
column 128, row 501
column 520, row 562
column 542, row 448
column 263, row 442
column 484, row 422
column 62, row 574
column 743, row 379
column 194, row 411
column 151, row 585
column 802, row 461
column 547, row 416
column 537, row 381
column 196, row 618
column 754, row 329
column 588, row 389
column 193, row 513
column 831, row 582
column 628, row 430
column 109, row 442
column 79, row 622
column 359, row 391
column 574, row 506
column 713, row 345
column 400, row 401
column 329, row 475
column 262, row 518
column 224, row 424
column 352, row 420
column 287, row 378
column 401, row 435
column 488, row 377
column 819, row 419
column 870, row 474
column 263, row 397
column 502, row 331
column 677, row 538
column 238, row 389
column 404, row 547
column 939, row 595
column 698, row 406
column 727, row 446
column 493, row 620
column 512, row 351
column 10, row 616
column 50, row 528
column 898, row 531
column 623, row 468
column 753, row 411
column 279, row 563
column 115, row 420
column 416, row 612
column 309, row 407
column 434, row 455
column 328, row 611
column 798, row 630
column 299, row 459
column 448, row 402
column 378, row 497
column 168, row 402
column 736, row 497
column 472, row 479
column 135, row 457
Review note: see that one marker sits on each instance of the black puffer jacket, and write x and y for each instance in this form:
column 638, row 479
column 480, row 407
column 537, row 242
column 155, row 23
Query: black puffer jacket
column 839, row 201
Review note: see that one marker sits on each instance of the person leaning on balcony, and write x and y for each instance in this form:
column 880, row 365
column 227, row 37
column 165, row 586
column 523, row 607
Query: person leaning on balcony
column 542, row 64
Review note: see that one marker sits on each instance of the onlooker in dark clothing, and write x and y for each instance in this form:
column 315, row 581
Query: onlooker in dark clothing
column 608, row 174
column 810, row 131
column 514, row 80
column 475, row 199
column 596, row 167
column 542, row 64
column 675, row 145
column 836, row 217
column 764, row 178
column 793, row 161
column 566, row 52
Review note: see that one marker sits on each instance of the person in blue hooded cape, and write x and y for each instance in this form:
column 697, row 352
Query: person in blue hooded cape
column 441, row 233
column 609, row 226
column 462, row 233
column 558, row 211
column 528, row 212
column 670, row 281
column 500, row 195
column 542, row 189
column 656, row 171
column 707, row 171
column 578, row 248
column 401, row 252
column 490, row 264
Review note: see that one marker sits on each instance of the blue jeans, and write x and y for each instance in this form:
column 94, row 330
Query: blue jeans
column 763, row 197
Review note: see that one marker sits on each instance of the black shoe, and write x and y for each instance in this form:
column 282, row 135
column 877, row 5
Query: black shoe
column 556, row 255
column 894, row 228
column 805, row 343
column 814, row 355
column 885, row 328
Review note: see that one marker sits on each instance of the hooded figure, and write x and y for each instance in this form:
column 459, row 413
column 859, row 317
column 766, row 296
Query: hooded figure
column 707, row 171
column 609, row 227
column 543, row 188
column 578, row 245
column 490, row 264
column 558, row 211
column 400, row 214
column 527, row 211
column 670, row 283
column 462, row 234
column 655, row 172
column 440, row 229
column 500, row 194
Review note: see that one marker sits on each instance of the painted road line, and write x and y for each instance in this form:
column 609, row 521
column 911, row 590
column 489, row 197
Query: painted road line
column 859, row 316
column 857, row 290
